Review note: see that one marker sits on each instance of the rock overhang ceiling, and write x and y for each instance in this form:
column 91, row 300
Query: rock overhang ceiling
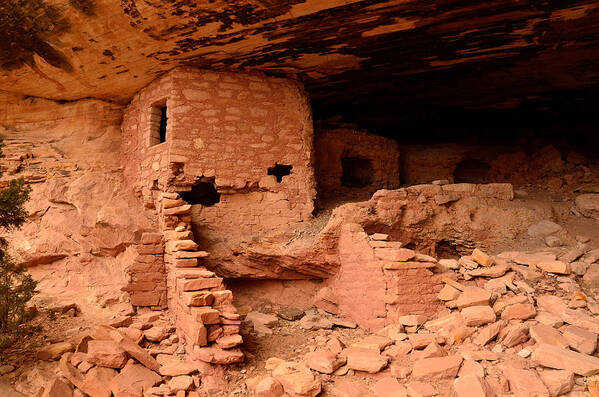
column 380, row 55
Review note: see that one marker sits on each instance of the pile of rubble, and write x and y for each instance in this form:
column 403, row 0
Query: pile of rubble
column 519, row 324
column 137, row 355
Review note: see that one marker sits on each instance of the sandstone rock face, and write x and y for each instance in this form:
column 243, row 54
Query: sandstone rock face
column 83, row 216
column 588, row 205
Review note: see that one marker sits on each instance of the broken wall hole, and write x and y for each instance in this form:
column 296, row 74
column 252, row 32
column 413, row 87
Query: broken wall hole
column 279, row 171
column 203, row 193
column 472, row 171
column 356, row 172
column 158, row 122
column 445, row 249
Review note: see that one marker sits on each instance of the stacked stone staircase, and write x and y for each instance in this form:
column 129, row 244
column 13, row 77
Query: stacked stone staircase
column 201, row 305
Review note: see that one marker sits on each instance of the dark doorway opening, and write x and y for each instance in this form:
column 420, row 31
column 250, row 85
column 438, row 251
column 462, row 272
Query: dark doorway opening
column 471, row 171
column 356, row 172
column 279, row 171
column 203, row 193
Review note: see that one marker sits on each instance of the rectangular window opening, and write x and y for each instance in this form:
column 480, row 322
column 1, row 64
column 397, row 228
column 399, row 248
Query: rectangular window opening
column 158, row 122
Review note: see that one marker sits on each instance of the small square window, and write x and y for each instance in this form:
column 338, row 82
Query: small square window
column 158, row 122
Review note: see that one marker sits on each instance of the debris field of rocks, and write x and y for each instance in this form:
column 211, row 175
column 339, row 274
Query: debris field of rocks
column 521, row 324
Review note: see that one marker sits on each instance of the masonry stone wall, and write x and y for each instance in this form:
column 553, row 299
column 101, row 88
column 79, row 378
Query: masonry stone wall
column 375, row 158
column 228, row 129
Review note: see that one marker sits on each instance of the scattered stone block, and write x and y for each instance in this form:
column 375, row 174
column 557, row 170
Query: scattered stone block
column 519, row 311
column 367, row 360
column 558, row 358
column 389, row 387
column 54, row 351
column 324, row 361
column 473, row 296
column 448, row 293
column 268, row 387
column 106, row 353
column 297, row 379
column 580, row 339
column 437, row 368
column 545, row 334
column 412, row 319
column 557, row 267
column 481, row 258
column 525, row 383
column 478, row 315
column 472, row 386
column 558, row 382
column 420, row 389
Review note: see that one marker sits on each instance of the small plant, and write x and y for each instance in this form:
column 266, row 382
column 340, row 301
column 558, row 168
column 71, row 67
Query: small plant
column 17, row 287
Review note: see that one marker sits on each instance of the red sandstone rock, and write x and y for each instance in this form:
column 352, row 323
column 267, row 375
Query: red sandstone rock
column 324, row 361
column 106, row 353
column 389, row 387
column 545, row 334
column 525, row 383
column 520, row 311
column 473, row 296
column 297, row 379
column 488, row 333
column 230, row 341
column 367, row 360
column 558, row 382
column 216, row 355
column 269, row 387
column 514, row 334
column 180, row 383
column 97, row 381
column 54, row 351
column 555, row 357
column 133, row 380
column 472, row 386
column 481, row 258
column 412, row 319
column 580, row 339
column 198, row 298
column 418, row 341
column 57, row 388
column 437, row 368
column 420, row 389
column 478, row 315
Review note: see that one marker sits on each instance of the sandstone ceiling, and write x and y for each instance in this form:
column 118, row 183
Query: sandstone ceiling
column 385, row 54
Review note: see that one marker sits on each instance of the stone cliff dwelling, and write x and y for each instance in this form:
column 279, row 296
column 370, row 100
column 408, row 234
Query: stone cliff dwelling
column 302, row 198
